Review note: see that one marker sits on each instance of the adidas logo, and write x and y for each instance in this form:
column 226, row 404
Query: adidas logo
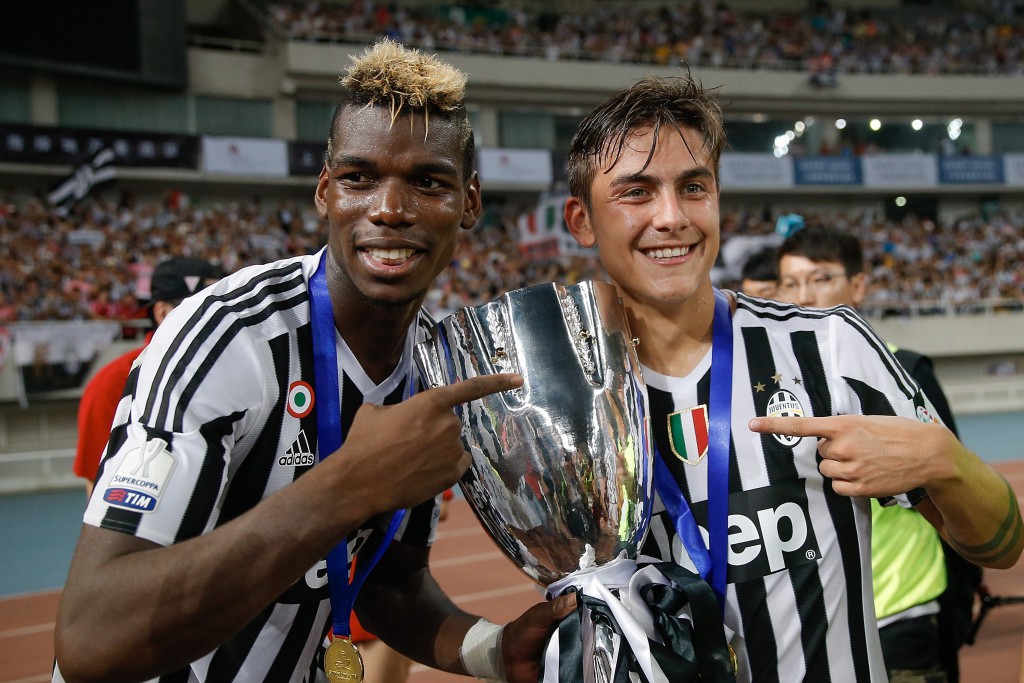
column 299, row 453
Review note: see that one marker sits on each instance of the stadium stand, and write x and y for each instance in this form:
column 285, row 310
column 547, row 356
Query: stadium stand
column 917, row 145
column 94, row 262
column 984, row 39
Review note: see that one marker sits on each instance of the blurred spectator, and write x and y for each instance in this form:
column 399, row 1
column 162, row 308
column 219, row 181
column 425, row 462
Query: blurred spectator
column 919, row 266
column 760, row 275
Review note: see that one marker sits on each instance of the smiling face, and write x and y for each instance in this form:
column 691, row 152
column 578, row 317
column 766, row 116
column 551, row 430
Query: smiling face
column 655, row 222
column 395, row 196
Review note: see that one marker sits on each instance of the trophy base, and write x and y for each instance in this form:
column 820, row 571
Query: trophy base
column 659, row 621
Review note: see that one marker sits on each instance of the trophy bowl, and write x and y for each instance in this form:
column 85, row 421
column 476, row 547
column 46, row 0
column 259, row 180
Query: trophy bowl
column 561, row 470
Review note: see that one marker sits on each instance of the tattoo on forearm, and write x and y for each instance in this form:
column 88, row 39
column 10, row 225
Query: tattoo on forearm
column 1003, row 542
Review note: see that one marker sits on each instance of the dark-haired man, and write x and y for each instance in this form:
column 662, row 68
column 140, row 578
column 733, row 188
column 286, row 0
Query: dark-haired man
column 774, row 425
column 270, row 426
column 760, row 274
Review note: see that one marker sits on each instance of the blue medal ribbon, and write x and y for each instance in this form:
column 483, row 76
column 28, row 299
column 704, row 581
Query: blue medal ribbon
column 329, row 439
column 713, row 563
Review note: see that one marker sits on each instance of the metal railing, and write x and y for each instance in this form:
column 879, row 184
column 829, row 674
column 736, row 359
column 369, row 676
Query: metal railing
column 931, row 308
column 227, row 44
column 991, row 395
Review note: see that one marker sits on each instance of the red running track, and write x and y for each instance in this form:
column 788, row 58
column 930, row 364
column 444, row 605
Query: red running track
column 480, row 579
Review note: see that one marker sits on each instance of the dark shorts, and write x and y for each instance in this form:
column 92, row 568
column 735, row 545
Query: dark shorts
column 911, row 650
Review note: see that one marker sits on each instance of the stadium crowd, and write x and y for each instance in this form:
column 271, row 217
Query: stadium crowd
column 95, row 262
column 969, row 264
column 986, row 38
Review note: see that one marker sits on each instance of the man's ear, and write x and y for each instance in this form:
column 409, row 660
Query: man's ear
column 320, row 196
column 577, row 219
column 160, row 310
column 474, row 203
column 859, row 288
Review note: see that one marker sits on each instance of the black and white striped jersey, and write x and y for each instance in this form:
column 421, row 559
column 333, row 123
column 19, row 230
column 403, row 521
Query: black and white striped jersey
column 218, row 415
column 799, row 604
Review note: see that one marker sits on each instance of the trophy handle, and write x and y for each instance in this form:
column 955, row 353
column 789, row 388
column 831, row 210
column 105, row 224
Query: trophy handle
column 428, row 361
column 604, row 652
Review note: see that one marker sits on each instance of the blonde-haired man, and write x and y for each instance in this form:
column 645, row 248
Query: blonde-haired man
column 270, row 426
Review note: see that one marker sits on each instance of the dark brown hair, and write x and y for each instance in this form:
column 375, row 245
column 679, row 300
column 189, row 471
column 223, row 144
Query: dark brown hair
column 680, row 102
column 822, row 244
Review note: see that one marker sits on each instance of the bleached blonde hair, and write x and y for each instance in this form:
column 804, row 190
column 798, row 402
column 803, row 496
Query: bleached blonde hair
column 406, row 81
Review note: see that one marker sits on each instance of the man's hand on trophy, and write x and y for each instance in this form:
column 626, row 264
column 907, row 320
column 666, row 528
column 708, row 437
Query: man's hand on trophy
column 524, row 640
column 415, row 445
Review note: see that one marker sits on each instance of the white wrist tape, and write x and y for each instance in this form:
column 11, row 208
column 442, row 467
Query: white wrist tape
column 481, row 651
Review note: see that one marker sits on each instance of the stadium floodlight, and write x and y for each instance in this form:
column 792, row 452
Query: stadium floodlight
column 954, row 128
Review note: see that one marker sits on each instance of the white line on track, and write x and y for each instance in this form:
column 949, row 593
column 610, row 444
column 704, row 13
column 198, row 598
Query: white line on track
column 27, row 630
column 467, row 559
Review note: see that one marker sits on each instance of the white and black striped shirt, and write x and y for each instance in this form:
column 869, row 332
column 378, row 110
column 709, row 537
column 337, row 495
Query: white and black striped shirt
column 799, row 604
column 217, row 416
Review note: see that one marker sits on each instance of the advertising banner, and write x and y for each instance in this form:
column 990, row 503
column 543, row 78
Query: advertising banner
column 527, row 168
column 986, row 170
column 46, row 145
column 1013, row 169
column 245, row 156
column 57, row 355
column 897, row 171
column 306, row 158
column 827, row 171
column 756, row 171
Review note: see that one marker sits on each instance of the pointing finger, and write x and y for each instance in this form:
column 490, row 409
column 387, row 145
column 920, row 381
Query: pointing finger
column 476, row 387
column 792, row 426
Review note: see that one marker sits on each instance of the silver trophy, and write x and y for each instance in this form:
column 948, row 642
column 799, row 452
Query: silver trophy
column 561, row 474
column 561, row 479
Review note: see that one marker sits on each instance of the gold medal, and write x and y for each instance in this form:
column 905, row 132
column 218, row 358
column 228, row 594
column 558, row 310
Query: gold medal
column 732, row 657
column 343, row 663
